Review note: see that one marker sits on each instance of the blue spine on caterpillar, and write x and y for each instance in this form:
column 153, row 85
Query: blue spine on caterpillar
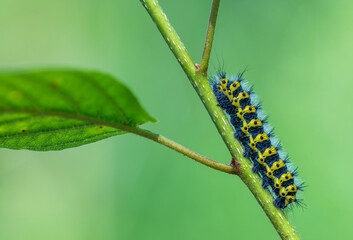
column 237, row 99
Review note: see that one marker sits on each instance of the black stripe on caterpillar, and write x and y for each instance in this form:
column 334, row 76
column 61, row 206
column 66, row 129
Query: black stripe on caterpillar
column 238, row 100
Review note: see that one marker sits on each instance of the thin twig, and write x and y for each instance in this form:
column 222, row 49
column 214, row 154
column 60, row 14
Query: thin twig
column 209, row 38
column 187, row 152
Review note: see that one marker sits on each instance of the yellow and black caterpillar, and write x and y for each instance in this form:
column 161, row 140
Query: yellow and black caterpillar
column 252, row 130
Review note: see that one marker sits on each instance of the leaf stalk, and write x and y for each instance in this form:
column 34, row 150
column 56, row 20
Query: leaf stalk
column 187, row 152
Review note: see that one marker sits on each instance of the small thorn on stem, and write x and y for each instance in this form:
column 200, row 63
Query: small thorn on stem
column 197, row 66
column 234, row 163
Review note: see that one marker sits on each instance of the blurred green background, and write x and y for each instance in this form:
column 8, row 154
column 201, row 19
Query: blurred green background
column 299, row 56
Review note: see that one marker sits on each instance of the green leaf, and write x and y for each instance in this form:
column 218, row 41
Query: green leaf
column 54, row 110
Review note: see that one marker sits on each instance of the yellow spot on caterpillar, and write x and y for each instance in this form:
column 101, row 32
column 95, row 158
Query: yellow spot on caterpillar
column 245, row 128
column 285, row 177
column 235, row 102
column 220, row 88
column 224, row 91
column 23, row 130
column 277, row 165
column 277, row 183
column 224, row 82
column 240, row 114
column 229, row 95
column 252, row 144
column 292, row 188
column 249, row 109
column 234, row 86
column 269, row 152
column 261, row 159
column 261, row 137
column 289, row 199
column 243, row 95
column 255, row 123
column 269, row 173
column 283, row 192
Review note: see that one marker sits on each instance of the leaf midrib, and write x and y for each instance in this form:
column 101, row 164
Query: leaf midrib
column 71, row 142
column 127, row 128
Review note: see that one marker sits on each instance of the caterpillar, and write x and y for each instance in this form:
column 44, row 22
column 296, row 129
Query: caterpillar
column 238, row 100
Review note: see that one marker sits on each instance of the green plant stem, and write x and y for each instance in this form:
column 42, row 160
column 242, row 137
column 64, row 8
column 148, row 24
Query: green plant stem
column 209, row 38
column 203, row 89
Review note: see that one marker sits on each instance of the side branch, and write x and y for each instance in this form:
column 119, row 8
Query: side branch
column 209, row 38
column 187, row 152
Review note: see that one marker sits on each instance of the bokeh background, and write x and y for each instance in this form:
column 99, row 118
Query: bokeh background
column 299, row 55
